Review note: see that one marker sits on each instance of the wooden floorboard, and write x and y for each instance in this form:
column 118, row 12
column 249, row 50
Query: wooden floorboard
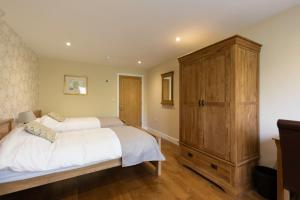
column 133, row 183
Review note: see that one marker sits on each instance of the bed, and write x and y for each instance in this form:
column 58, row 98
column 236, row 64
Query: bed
column 80, row 123
column 17, row 181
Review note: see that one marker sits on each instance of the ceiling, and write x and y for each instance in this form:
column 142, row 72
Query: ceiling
column 131, row 30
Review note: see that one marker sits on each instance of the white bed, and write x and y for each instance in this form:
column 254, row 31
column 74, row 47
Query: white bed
column 24, row 152
column 28, row 161
column 80, row 123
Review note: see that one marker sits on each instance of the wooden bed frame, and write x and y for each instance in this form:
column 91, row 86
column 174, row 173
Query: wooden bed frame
column 5, row 188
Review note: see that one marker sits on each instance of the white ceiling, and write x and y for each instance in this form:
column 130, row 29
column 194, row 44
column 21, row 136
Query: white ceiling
column 129, row 30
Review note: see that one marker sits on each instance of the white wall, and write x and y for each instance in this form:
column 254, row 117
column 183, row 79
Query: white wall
column 279, row 75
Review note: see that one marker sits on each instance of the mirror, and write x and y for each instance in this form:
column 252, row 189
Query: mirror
column 167, row 88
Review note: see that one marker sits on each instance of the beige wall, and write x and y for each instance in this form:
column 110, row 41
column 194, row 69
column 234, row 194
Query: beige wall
column 18, row 74
column 102, row 96
column 161, row 118
column 279, row 75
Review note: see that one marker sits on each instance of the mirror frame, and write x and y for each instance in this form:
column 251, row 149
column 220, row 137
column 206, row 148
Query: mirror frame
column 167, row 102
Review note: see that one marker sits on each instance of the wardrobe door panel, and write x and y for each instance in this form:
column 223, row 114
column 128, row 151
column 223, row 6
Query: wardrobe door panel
column 215, row 131
column 189, row 84
column 215, row 79
column 189, row 129
column 215, row 117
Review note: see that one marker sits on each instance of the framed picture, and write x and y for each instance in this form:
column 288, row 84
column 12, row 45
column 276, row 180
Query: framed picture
column 75, row 85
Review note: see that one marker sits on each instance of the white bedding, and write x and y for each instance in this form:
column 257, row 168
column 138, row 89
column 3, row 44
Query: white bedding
column 70, row 124
column 23, row 152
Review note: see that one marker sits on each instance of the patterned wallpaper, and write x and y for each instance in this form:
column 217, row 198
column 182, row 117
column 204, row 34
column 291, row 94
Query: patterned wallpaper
column 18, row 74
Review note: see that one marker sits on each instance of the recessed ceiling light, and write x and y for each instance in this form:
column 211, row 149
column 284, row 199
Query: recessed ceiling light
column 178, row 39
column 68, row 44
column 139, row 62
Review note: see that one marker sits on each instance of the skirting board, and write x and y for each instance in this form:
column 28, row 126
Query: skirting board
column 164, row 135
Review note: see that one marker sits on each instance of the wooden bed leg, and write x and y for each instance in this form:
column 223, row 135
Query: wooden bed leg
column 158, row 168
column 157, row 164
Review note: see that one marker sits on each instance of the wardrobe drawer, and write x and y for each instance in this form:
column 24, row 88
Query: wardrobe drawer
column 205, row 163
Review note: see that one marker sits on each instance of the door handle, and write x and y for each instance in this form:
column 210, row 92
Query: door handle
column 203, row 103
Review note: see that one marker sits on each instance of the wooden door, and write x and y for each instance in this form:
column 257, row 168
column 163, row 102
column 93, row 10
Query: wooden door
column 190, row 132
column 215, row 107
column 130, row 100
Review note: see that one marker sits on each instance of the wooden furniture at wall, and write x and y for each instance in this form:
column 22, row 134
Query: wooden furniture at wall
column 5, row 188
column 219, row 103
column 37, row 113
column 282, row 194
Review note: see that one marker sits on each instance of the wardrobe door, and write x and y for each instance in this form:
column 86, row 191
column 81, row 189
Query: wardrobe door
column 189, row 133
column 215, row 107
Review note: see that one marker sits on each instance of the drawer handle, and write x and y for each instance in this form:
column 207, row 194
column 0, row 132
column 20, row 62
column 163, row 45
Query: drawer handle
column 190, row 155
column 214, row 166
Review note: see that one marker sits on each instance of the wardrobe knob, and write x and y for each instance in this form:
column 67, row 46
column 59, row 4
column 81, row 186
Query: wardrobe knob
column 201, row 102
column 214, row 166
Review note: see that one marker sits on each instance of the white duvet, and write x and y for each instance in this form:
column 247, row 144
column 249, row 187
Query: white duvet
column 70, row 124
column 21, row 151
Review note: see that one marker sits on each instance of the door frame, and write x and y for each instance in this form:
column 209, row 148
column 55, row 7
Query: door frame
column 143, row 94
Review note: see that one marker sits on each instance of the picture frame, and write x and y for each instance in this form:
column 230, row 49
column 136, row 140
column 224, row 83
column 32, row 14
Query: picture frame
column 75, row 85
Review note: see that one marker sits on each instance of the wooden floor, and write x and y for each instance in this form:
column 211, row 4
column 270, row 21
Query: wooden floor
column 138, row 182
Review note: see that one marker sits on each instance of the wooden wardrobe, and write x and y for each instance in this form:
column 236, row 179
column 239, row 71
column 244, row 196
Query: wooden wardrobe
column 219, row 109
